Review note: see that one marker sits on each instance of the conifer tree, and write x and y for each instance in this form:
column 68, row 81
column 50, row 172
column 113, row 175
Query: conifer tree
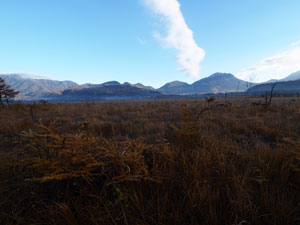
column 6, row 92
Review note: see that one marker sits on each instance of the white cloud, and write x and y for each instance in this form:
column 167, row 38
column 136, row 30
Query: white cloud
column 274, row 67
column 296, row 43
column 178, row 35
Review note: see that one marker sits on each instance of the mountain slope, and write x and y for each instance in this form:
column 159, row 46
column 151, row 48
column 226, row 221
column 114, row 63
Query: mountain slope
column 106, row 91
column 293, row 76
column 219, row 82
column 35, row 88
column 283, row 87
column 175, row 87
column 139, row 85
column 216, row 83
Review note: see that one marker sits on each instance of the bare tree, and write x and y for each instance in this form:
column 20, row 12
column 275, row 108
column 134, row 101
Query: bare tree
column 269, row 100
column 271, row 93
column 251, row 79
column 209, row 100
column 249, row 85
column 238, row 87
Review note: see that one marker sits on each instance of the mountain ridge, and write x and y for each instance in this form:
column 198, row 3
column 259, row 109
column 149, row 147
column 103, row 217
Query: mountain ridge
column 281, row 87
column 31, row 88
column 36, row 88
column 215, row 83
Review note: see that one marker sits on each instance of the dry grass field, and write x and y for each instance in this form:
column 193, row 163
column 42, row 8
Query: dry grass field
column 151, row 163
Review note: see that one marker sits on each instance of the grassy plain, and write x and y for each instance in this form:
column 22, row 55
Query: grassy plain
column 151, row 162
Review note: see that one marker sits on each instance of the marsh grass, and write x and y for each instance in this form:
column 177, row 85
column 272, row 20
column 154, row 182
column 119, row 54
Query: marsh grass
column 151, row 162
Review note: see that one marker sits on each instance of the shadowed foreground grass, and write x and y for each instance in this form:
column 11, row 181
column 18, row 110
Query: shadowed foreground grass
column 152, row 162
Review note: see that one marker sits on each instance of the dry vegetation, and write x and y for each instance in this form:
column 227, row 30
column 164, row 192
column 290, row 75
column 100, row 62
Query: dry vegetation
column 151, row 162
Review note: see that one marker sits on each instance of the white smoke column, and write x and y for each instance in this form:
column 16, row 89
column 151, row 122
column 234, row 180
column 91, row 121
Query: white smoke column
column 179, row 35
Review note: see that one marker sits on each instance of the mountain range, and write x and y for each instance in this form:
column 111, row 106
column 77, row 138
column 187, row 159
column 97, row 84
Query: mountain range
column 107, row 91
column 283, row 88
column 34, row 89
column 287, row 86
column 30, row 88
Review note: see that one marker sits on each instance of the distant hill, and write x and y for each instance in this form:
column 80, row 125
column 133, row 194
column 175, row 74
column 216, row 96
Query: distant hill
column 176, row 87
column 220, row 82
column 111, row 83
column 216, row 83
column 139, row 85
column 282, row 87
column 105, row 91
column 293, row 76
column 35, row 88
column 27, row 75
column 270, row 81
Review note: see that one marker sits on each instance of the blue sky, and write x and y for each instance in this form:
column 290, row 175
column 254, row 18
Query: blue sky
column 150, row 41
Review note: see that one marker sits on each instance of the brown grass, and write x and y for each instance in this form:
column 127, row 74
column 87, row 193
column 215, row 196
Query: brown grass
column 151, row 162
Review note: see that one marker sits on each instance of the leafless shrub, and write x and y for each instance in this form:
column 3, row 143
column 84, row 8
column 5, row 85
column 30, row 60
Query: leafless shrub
column 209, row 100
